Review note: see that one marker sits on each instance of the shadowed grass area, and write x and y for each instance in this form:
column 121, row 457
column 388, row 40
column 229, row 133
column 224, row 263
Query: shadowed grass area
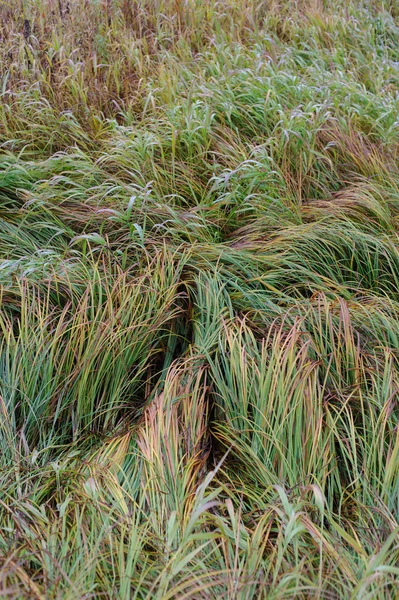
column 199, row 300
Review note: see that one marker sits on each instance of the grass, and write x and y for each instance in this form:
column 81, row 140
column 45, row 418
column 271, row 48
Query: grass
column 199, row 275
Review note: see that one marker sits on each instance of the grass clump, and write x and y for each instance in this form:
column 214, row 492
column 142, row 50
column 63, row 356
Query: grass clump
column 199, row 274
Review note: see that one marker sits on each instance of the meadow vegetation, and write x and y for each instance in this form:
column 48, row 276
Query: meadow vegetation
column 199, row 299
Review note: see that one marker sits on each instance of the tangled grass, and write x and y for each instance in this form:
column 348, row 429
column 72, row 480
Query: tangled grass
column 199, row 284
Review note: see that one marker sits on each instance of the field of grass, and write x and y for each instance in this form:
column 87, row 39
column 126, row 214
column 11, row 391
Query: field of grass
column 199, row 299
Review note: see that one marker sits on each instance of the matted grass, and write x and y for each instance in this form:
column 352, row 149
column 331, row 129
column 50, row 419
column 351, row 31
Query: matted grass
column 199, row 299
